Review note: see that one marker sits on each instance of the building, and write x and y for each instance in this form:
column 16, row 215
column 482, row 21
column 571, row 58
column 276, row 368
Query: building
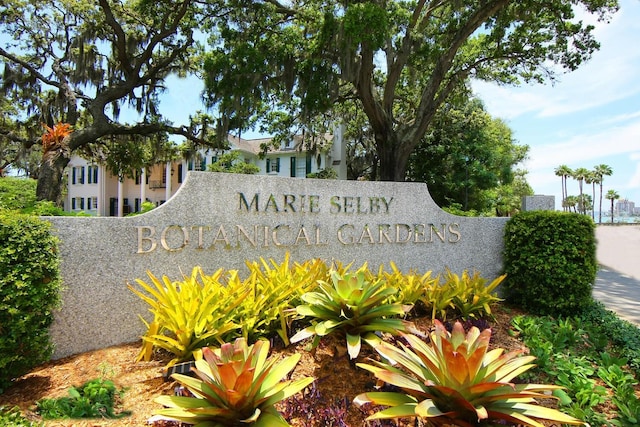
column 92, row 189
column 625, row 207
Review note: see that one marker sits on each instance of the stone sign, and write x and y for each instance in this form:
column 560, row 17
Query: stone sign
column 538, row 203
column 222, row 220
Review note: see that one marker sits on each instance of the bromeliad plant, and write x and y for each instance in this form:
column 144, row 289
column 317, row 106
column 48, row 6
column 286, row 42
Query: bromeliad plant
column 189, row 314
column 234, row 385
column 352, row 305
column 274, row 291
column 455, row 380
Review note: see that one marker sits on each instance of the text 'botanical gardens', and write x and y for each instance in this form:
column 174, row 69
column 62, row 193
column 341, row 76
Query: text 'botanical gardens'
column 177, row 237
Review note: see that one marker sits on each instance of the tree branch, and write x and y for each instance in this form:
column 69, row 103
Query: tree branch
column 121, row 38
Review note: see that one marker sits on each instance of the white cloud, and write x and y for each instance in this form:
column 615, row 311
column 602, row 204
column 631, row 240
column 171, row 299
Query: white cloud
column 586, row 147
column 634, row 180
column 611, row 75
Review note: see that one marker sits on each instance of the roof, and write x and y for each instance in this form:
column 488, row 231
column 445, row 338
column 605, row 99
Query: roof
column 253, row 146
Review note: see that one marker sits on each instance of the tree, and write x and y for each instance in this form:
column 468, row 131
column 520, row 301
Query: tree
column 291, row 63
column 601, row 171
column 232, row 163
column 612, row 195
column 592, row 179
column 508, row 197
column 580, row 174
column 81, row 63
column 467, row 153
column 571, row 202
column 564, row 171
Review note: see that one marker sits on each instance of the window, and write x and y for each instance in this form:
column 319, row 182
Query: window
column 180, row 173
column 77, row 175
column 92, row 174
column 273, row 165
column 293, row 167
column 308, row 164
column 92, row 203
column 164, row 175
column 200, row 163
column 137, row 177
column 77, row 203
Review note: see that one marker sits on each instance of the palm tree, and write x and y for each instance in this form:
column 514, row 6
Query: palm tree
column 563, row 171
column 592, row 178
column 571, row 202
column 601, row 171
column 612, row 195
column 579, row 175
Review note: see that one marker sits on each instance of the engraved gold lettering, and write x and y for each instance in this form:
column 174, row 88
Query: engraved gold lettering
column 266, row 237
column 442, row 236
column 274, row 234
column 408, row 231
column 318, row 239
column 359, row 207
column 240, row 231
column 348, row 205
column 335, row 204
column 366, row 233
column 272, row 204
column 386, row 203
column 341, row 238
column 302, row 235
column 242, row 202
column 314, row 204
column 185, row 238
column 221, row 236
column 150, row 238
column 374, row 204
column 383, row 233
column 454, row 229
column 289, row 200
column 419, row 231
column 201, row 229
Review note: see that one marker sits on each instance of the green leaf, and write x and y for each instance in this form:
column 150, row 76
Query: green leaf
column 353, row 345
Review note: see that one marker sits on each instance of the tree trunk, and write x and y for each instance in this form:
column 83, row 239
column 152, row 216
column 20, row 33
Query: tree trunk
column 50, row 178
column 393, row 153
column 600, row 208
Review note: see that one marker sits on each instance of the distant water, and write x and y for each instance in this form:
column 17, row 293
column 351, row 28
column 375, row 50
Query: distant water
column 620, row 220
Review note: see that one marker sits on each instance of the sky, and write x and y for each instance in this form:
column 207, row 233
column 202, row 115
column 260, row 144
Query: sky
column 588, row 117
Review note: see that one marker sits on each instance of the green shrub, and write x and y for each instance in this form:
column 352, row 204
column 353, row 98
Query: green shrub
column 29, row 292
column 17, row 193
column 550, row 262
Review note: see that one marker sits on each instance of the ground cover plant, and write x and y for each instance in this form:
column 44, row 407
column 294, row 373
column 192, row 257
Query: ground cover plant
column 96, row 398
column 329, row 400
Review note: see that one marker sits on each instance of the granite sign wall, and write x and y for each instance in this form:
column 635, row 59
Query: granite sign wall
column 221, row 220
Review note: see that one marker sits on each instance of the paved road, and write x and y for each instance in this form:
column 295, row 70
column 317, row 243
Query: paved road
column 618, row 281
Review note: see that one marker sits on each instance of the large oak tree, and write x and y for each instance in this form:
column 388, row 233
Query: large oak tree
column 290, row 63
column 81, row 62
